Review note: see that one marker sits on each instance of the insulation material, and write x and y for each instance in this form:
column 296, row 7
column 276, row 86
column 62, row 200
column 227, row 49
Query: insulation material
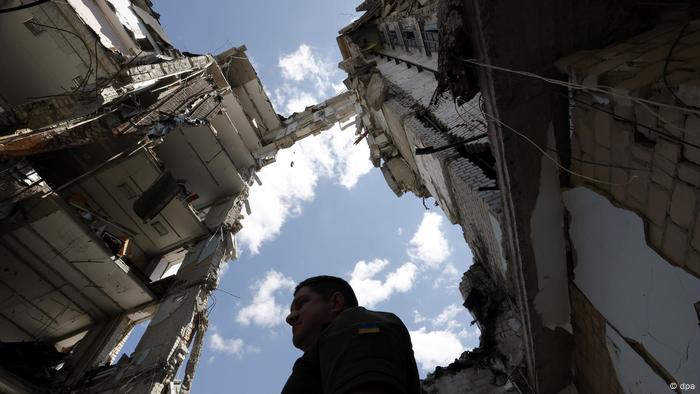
column 92, row 16
column 148, row 19
column 128, row 18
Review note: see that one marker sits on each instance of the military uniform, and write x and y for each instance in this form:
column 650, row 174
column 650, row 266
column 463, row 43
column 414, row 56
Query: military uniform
column 360, row 348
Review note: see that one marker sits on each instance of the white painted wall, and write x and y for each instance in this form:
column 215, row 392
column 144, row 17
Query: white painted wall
column 639, row 293
column 634, row 375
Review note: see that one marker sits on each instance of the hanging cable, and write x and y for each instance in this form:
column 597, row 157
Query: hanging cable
column 635, row 123
column 87, row 50
column 608, row 90
column 668, row 58
column 600, row 164
column 550, row 158
column 23, row 6
column 642, row 102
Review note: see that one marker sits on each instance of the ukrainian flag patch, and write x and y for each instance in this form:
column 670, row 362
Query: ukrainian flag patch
column 368, row 328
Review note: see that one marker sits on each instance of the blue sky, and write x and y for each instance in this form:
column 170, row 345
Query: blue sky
column 329, row 213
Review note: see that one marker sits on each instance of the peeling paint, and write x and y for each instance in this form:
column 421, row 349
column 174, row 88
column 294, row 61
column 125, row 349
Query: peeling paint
column 92, row 16
column 639, row 293
column 546, row 225
column 128, row 18
column 634, row 375
column 151, row 22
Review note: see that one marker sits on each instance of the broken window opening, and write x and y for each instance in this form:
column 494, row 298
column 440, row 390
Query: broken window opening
column 486, row 162
column 644, row 137
column 127, row 345
column 382, row 39
column 393, row 38
column 145, row 44
column 168, row 265
column 409, row 37
column 431, row 38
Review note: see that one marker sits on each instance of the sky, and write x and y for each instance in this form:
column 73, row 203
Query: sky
column 322, row 209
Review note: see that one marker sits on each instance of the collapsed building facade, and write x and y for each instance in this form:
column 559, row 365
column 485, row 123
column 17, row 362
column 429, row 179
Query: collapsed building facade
column 125, row 168
column 563, row 140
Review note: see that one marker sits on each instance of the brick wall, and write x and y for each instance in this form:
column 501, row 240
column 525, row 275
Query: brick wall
column 644, row 154
column 593, row 369
column 453, row 180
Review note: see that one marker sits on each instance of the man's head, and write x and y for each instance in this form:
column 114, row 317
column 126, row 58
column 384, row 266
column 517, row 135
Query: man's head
column 317, row 300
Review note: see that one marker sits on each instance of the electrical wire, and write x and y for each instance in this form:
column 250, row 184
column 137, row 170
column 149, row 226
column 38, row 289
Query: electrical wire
column 642, row 102
column 608, row 90
column 597, row 163
column 635, row 123
column 668, row 58
column 23, row 6
column 486, row 114
column 224, row 291
column 550, row 158
column 83, row 82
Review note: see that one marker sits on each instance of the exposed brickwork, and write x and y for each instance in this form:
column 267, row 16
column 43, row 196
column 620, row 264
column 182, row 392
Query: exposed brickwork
column 593, row 369
column 647, row 151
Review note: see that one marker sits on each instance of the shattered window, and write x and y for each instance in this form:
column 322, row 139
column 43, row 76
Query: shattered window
column 382, row 38
column 409, row 38
column 393, row 38
column 431, row 40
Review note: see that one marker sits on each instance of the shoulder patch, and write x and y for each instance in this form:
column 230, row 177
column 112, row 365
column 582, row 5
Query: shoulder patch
column 368, row 328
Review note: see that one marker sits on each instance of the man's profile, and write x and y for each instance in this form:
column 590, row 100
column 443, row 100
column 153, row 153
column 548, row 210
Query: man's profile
column 347, row 348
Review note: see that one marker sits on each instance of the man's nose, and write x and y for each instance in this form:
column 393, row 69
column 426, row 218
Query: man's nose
column 291, row 318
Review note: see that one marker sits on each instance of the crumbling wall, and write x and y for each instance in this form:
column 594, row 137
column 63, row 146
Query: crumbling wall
column 495, row 366
column 643, row 156
column 649, row 307
column 595, row 372
column 179, row 320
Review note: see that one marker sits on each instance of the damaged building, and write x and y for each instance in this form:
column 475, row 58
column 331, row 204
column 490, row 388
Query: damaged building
column 125, row 166
column 563, row 139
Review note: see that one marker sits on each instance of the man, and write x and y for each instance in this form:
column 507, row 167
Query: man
column 347, row 349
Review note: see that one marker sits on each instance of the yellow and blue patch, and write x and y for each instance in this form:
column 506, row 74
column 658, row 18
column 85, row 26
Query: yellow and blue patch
column 368, row 328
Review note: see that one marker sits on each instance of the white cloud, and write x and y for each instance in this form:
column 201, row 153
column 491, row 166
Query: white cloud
column 371, row 291
column 224, row 268
column 232, row 346
column 291, row 181
column 304, row 65
column 433, row 348
column 339, row 88
column 429, row 244
column 264, row 310
column 446, row 318
column 417, row 317
column 289, row 99
column 449, row 278
column 472, row 333
column 399, row 231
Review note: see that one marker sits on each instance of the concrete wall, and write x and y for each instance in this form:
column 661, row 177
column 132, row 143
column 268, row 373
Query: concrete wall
column 647, row 301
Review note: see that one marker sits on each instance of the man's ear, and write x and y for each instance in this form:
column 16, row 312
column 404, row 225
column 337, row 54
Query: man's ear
column 337, row 302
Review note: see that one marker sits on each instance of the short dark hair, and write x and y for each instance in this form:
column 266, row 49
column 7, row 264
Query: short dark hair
column 326, row 285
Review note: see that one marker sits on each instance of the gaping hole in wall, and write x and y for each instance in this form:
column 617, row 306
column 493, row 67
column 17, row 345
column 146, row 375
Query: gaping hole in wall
column 126, row 347
column 644, row 136
column 168, row 264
